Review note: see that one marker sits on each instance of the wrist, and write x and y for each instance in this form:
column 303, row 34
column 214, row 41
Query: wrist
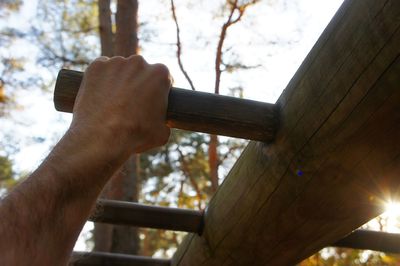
column 87, row 157
column 103, row 141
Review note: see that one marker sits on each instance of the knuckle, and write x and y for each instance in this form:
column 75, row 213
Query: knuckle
column 117, row 62
column 95, row 65
column 162, row 70
column 137, row 60
column 117, row 59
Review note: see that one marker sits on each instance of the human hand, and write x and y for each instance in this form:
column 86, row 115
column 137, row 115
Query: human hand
column 122, row 104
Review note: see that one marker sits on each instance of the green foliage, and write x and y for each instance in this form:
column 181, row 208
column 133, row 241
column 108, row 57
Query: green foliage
column 177, row 175
column 179, row 172
column 10, row 65
column 348, row 257
column 7, row 175
column 8, row 6
column 66, row 31
column 6, row 171
column 164, row 177
column 65, row 34
column 162, row 242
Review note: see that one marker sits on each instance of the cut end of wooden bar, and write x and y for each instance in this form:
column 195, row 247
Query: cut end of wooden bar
column 67, row 86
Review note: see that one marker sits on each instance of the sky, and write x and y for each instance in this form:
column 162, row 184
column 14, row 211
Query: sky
column 274, row 35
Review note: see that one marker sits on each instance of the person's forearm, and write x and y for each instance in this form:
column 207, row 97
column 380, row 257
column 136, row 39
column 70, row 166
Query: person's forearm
column 48, row 210
column 120, row 109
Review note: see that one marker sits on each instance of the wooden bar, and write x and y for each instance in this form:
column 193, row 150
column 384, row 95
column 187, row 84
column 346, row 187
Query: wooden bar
column 372, row 240
column 125, row 213
column 359, row 239
column 193, row 110
column 140, row 215
column 335, row 159
column 113, row 259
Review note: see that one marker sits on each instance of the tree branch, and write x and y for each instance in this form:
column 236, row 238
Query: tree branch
column 64, row 59
column 186, row 172
column 230, row 151
column 234, row 6
column 179, row 47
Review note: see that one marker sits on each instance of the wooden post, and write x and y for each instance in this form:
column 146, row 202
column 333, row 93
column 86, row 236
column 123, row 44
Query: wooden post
column 336, row 157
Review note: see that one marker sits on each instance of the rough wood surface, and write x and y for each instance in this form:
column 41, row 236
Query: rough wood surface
column 140, row 215
column 336, row 157
column 195, row 111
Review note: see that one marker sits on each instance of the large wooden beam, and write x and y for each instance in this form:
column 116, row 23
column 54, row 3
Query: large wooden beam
column 336, row 157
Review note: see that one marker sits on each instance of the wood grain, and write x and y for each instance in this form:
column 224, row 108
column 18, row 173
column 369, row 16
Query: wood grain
column 336, row 157
column 195, row 111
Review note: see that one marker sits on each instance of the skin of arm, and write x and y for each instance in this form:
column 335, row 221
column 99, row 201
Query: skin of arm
column 120, row 109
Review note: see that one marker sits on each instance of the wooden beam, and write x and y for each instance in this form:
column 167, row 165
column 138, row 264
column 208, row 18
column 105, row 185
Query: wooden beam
column 140, row 215
column 193, row 110
column 112, row 259
column 372, row 240
column 336, row 157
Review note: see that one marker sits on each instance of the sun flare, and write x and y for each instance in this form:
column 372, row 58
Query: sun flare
column 392, row 209
column 392, row 217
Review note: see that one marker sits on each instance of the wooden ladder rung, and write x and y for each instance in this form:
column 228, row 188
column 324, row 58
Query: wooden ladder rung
column 140, row 215
column 372, row 240
column 194, row 110
column 113, row 259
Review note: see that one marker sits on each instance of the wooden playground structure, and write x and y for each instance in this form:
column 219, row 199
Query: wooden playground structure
column 323, row 157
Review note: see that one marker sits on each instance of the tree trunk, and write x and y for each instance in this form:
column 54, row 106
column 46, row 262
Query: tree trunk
column 336, row 157
column 124, row 184
column 105, row 28
column 102, row 234
column 213, row 161
column 126, row 39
